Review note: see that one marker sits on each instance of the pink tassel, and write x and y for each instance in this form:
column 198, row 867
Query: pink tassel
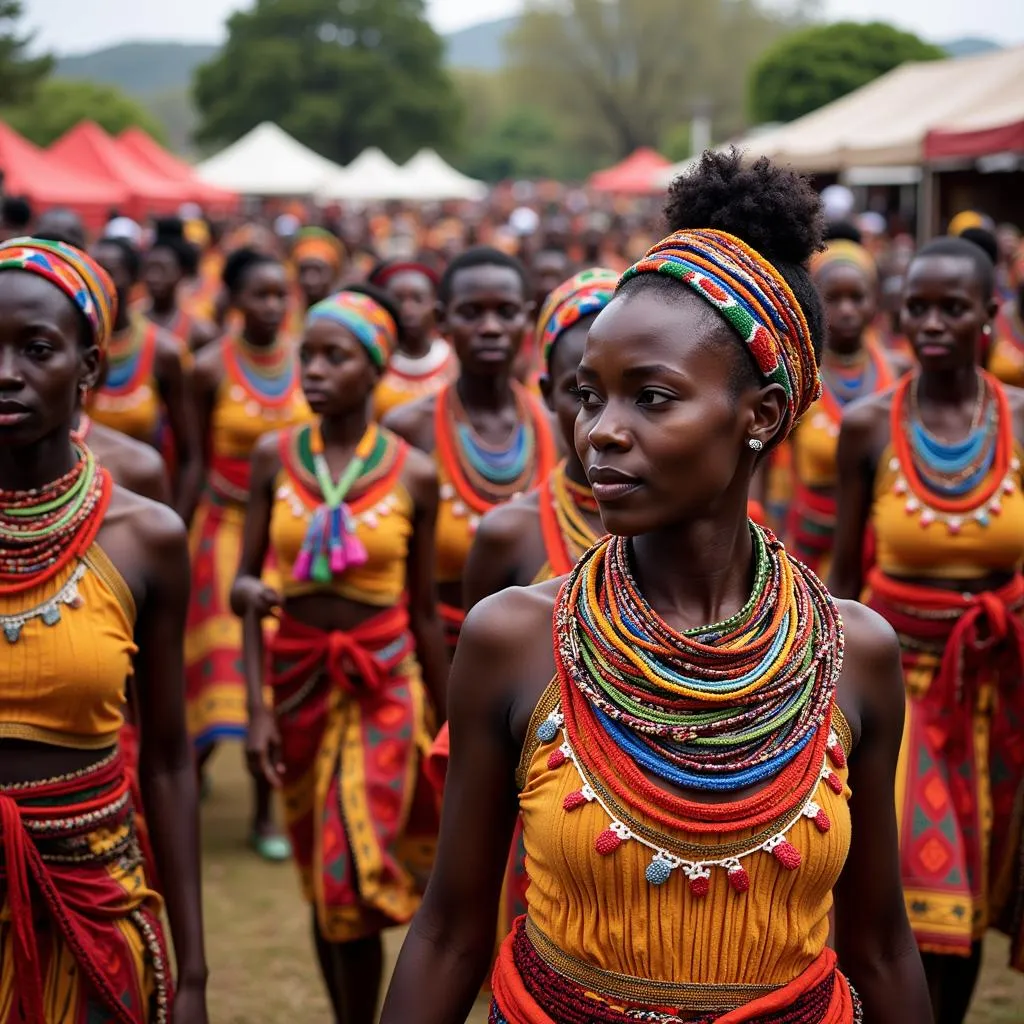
column 355, row 552
column 338, row 564
column 302, row 565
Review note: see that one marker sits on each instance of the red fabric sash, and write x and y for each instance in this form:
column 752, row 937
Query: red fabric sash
column 82, row 899
column 820, row 995
column 229, row 478
column 452, row 619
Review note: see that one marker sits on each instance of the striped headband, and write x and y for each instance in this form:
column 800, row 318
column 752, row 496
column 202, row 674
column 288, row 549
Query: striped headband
column 75, row 273
column 584, row 293
column 318, row 244
column 844, row 252
column 753, row 298
column 366, row 318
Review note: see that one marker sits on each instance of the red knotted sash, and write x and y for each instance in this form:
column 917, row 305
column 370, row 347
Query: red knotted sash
column 962, row 761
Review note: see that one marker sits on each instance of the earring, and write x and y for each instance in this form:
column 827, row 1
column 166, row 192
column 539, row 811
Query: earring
column 987, row 330
column 755, row 444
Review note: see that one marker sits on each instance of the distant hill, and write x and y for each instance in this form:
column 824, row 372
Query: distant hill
column 479, row 47
column 970, row 47
column 141, row 69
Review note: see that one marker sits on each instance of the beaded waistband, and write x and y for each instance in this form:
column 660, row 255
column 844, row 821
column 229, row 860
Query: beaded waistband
column 612, row 985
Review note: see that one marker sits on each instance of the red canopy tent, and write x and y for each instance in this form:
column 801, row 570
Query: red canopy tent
column 637, row 175
column 30, row 171
column 88, row 149
column 147, row 151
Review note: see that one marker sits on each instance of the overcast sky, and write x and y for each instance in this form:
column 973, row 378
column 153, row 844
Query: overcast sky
column 71, row 26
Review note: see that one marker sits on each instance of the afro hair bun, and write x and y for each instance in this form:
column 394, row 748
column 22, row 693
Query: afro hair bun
column 771, row 208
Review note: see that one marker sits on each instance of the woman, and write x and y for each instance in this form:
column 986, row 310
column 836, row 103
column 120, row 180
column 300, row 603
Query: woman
column 1006, row 360
column 247, row 384
column 932, row 469
column 423, row 362
column 145, row 384
column 852, row 366
column 491, row 440
column 348, row 511
column 319, row 258
column 685, row 815
column 93, row 586
column 168, row 264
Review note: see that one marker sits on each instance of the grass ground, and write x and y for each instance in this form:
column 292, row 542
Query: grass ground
column 258, row 929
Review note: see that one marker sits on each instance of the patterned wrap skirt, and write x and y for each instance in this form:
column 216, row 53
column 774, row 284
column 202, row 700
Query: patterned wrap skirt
column 355, row 729
column 80, row 934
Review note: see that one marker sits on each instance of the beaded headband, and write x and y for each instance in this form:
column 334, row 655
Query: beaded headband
column 844, row 252
column 75, row 273
column 318, row 244
column 584, row 293
column 366, row 318
column 753, row 298
column 387, row 271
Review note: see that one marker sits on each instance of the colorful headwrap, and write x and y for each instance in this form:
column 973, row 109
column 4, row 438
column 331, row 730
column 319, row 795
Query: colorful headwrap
column 584, row 293
column 318, row 244
column 74, row 272
column 844, row 251
column 753, row 298
column 386, row 271
column 366, row 318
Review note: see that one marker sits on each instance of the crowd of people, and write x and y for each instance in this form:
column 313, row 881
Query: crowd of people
column 640, row 621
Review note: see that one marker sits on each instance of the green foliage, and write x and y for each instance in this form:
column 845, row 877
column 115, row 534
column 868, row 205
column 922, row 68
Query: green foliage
column 59, row 105
column 818, row 65
column 619, row 74
column 19, row 73
column 337, row 76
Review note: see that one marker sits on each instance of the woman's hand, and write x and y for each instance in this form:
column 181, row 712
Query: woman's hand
column 190, row 1003
column 263, row 746
column 251, row 594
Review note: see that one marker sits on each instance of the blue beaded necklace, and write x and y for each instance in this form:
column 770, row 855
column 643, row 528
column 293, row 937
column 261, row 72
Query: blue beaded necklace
column 496, row 465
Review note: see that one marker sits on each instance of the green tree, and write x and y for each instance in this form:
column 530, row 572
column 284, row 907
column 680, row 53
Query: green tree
column 810, row 68
column 19, row 73
column 618, row 74
column 59, row 104
column 337, row 76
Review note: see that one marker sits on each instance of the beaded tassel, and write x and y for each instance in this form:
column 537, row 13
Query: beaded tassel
column 331, row 546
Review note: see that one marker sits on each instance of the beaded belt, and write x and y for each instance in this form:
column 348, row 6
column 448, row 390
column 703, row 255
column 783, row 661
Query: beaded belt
column 532, row 943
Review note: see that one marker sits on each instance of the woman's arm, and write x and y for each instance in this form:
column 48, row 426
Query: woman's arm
column 253, row 600
column 876, row 947
column 167, row 771
column 491, row 565
column 424, row 621
column 856, row 472
column 449, row 945
column 176, row 393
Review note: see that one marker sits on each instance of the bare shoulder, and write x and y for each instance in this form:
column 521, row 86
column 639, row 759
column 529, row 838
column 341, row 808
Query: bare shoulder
column 509, row 621
column 137, row 466
column 154, row 525
column 266, row 453
column 872, row 681
column 864, row 415
column 209, row 365
column 1015, row 397
column 505, row 525
column 414, row 422
column 420, row 467
column 168, row 351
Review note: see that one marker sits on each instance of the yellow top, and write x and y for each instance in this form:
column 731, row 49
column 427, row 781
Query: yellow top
column 406, row 379
column 383, row 513
column 456, row 528
column 906, row 547
column 132, row 406
column 600, row 911
column 815, row 440
column 64, row 683
column 1006, row 360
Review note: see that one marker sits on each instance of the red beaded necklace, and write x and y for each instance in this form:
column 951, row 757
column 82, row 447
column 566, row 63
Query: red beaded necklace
column 44, row 529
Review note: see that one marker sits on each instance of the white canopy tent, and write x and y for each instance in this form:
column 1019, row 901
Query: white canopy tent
column 371, row 176
column 431, row 178
column 268, row 162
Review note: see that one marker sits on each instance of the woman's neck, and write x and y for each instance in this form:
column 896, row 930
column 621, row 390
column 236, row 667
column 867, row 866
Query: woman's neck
column 697, row 573
column 346, row 429
column 843, row 350
column 36, row 465
column 948, row 387
column 164, row 307
column 259, row 339
column 417, row 348
column 485, row 393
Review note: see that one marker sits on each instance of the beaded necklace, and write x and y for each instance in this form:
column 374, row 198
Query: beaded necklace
column 564, row 506
column 954, row 481
column 331, row 545
column 266, row 375
column 846, row 380
column 130, row 359
column 484, row 475
column 747, row 700
column 43, row 530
